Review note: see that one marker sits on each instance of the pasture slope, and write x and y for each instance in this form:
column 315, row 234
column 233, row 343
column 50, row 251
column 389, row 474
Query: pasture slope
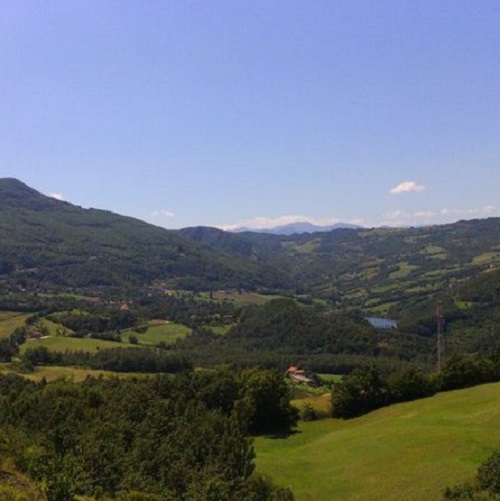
column 409, row 451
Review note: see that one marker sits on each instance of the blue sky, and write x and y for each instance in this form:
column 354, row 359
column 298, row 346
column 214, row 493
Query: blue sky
column 255, row 112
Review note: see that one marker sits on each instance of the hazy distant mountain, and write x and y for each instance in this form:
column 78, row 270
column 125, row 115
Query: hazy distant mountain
column 292, row 228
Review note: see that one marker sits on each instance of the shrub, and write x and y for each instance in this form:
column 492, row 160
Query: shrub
column 488, row 474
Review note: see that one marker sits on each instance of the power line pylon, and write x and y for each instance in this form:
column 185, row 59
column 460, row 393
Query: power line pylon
column 441, row 341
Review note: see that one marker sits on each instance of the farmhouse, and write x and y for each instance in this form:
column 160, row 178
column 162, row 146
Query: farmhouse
column 297, row 375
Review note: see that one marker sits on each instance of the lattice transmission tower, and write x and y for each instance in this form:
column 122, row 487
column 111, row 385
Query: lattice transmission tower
column 441, row 340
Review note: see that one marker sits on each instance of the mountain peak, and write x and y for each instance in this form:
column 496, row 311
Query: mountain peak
column 11, row 183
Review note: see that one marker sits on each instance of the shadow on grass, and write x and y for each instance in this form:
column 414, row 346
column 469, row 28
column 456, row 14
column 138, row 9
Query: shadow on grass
column 281, row 434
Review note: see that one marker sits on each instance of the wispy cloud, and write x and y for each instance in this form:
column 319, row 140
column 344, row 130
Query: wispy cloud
column 400, row 217
column 424, row 214
column 57, row 196
column 440, row 216
column 162, row 214
column 487, row 210
column 407, row 187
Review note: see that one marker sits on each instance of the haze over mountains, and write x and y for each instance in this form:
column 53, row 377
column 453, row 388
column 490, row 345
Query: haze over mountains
column 290, row 229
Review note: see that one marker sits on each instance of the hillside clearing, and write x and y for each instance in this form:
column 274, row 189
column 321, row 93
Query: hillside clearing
column 158, row 331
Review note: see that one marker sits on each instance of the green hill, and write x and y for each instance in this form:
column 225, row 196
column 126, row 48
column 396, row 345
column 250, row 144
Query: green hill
column 408, row 451
column 43, row 240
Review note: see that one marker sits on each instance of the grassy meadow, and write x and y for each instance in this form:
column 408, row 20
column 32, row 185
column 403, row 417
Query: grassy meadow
column 51, row 373
column 10, row 320
column 158, row 331
column 409, row 451
column 239, row 297
column 62, row 343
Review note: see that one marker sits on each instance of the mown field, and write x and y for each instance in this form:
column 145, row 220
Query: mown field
column 408, row 451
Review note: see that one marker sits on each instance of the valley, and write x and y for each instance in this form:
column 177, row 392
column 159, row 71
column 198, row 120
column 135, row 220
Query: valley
column 210, row 320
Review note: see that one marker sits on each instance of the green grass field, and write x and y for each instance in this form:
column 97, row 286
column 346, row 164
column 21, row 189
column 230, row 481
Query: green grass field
column 220, row 330
column 10, row 320
column 61, row 343
column 404, row 270
column 408, row 451
column 487, row 258
column 243, row 298
column 158, row 330
column 50, row 373
column 333, row 378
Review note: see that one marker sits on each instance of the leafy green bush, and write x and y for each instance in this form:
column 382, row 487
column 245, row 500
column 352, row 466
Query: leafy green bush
column 488, row 474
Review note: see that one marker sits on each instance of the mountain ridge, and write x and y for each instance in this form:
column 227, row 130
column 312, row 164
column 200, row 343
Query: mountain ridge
column 293, row 228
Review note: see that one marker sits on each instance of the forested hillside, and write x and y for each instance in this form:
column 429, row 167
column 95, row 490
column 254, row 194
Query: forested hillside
column 283, row 332
column 43, row 240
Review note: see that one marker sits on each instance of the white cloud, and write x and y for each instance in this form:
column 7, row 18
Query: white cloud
column 162, row 214
column 407, row 187
column 396, row 214
column 57, row 196
column 428, row 217
column 424, row 214
column 487, row 210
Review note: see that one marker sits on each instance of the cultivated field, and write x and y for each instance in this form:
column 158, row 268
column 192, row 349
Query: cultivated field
column 405, row 452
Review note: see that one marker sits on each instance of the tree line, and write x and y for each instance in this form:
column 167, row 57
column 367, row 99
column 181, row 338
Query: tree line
column 368, row 388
